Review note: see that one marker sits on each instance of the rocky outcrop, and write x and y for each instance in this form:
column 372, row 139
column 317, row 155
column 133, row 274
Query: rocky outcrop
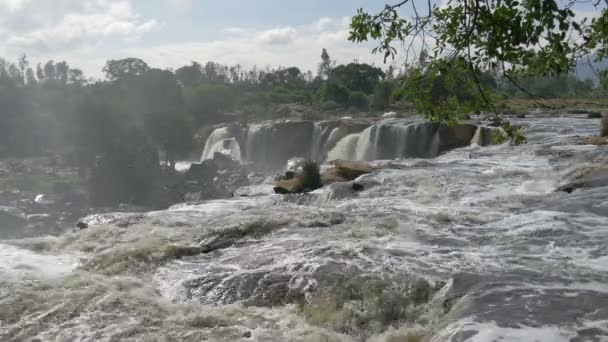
column 596, row 141
column 126, row 174
column 203, row 172
column 451, row 137
column 351, row 170
column 590, row 178
column 288, row 186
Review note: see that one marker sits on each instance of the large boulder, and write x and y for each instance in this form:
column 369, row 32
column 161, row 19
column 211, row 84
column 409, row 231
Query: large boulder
column 204, row 172
column 126, row 173
column 451, row 137
column 351, row 170
column 288, row 186
column 224, row 162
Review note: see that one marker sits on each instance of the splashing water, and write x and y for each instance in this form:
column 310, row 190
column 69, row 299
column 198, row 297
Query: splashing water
column 473, row 245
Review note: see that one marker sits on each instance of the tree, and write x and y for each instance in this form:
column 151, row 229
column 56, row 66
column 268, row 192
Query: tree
column 382, row 95
column 172, row 132
column 121, row 69
column 358, row 100
column 325, row 66
column 30, row 77
column 333, row 92
column 50, row 73
column 62, row 70
column 189, row 75
column 357, row 77
column 208, row 102
column 23, row 65
column 512, row 37
column 40, row 72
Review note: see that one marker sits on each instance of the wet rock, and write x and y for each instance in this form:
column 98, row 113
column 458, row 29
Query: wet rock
column 596, row 141
column 591, row 178
column 348, row 170
column 81, row 225
column 224, row 162
column 203, row 172
column 247, row 334
column 288, row 186
column 451, row 137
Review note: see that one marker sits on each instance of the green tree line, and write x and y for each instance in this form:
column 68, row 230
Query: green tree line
column 54, row 107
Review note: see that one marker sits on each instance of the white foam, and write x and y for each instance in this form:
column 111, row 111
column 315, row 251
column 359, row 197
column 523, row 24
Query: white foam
column 20, row 263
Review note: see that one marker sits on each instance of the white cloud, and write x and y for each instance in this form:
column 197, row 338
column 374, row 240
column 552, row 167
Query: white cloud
column 278, row 36
column 284, row 46
column 182, row 4
column 68, row 24
column 12, row 5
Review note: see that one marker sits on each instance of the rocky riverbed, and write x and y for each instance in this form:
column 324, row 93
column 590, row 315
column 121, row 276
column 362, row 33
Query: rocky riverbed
column 477, row 244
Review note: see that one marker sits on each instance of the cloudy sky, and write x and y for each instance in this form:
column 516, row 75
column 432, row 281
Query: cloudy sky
column 171, row 33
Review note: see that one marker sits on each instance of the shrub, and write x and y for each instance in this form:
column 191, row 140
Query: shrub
column 594, row 115
column 605, row 126
column 310, row 179
column 329, row 105
column 359, row 101
column 382, row 95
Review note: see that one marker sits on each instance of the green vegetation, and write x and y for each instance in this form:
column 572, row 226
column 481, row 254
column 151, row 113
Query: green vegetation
column 527, row 46
column 310, row 179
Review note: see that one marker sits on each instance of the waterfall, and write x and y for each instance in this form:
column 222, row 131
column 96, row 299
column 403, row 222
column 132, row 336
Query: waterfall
column 345, row 149
column 316, row 151
column 389, row 140
column 270, row 146
column 216, row 136
column 229, row 147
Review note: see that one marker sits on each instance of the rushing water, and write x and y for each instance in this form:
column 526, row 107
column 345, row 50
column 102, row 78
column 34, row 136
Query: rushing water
column 472, row 245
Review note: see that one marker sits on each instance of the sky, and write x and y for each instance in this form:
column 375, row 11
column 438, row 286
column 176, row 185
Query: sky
column 172, row 33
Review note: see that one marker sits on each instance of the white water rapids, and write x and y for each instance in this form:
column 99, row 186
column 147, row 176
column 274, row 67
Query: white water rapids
column 473, row 245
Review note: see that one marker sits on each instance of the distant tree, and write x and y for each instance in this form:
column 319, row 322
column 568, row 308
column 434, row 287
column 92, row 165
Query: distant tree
column 172, row 132
column 208, row 102
column 50, row 73
column 358, row 100
column 62, row 70
column 357, row 77
column 23, row 65
column 30, row 77
column 333, row 92
column 116, row 70
column 189, row 75
column 40, row 72
column 76, row 76
column 382, row 95
column 325, row 66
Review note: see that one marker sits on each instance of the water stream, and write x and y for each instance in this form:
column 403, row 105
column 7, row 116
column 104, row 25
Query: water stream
column 473, row 245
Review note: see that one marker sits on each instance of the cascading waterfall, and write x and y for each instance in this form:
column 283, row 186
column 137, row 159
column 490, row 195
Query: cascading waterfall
column 229, row 147
column 257, row 143
column 389, row 140
column 268, row 146
column 216, row 136
column 345, row 149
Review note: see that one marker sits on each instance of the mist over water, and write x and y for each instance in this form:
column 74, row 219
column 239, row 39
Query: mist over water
column 471, row 245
